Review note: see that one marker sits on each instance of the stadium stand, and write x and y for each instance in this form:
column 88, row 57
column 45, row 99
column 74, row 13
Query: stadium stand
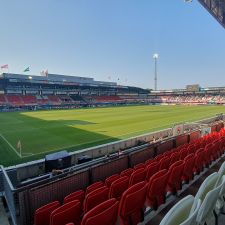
column 133, row 197
column 60, row 91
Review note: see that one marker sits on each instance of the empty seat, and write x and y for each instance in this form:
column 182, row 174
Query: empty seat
column 207, row 185
column 118, row 187
column 67, row 213
column 137, row 176
column 151, row 170
column 199, row 161
column 164, row 163
column 156, row 189
column 174, row 157
column 221, row 173
column 175, row 174
column 206, row 211
column 95, row 197
column 131, row 208
column 103, row 214
column 139, row 166
column 188, row 172
column 94, row 186
column 111, row 179
column 184, row 153
column 77, row 195
column 127, row 172
column 42, row 214
column 180, row 214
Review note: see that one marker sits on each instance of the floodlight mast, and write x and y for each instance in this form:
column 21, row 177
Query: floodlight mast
column 155, row 57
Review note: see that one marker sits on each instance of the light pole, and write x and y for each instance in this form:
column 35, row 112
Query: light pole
column 155, row 57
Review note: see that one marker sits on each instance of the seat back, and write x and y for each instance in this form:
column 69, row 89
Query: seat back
column 102, row 214
column 42, row 214
column 189, row 163
column 94, row 186
column 139, row 166
column 127, row 172
column 111, row 179
column 192, row 219
column 77, row 195
column 118, row 187
column 131, row 208
column 208, row 205
column 67, row 213
column 164, row 163
column 156, row 189
column 174, row 157
column 183, row 153
column 207, row 185
column 175, row 173
column 152, row 169
column 221, row 173
column 137, row 176
column 180, row 213
column 95, row 197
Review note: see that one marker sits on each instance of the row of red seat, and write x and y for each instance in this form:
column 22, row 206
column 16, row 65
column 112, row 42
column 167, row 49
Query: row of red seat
column 20, row 100
column 145, row 184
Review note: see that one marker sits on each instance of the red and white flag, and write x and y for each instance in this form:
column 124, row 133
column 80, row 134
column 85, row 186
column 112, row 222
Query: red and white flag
column 46, row 73
column 6, row 66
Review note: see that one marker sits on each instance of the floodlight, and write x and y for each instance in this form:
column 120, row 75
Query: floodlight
column 155, row 56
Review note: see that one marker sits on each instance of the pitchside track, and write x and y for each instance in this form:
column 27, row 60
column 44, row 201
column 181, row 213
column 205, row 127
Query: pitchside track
column 42, row 132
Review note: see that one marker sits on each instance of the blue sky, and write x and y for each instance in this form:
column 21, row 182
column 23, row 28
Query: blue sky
column 116, row 38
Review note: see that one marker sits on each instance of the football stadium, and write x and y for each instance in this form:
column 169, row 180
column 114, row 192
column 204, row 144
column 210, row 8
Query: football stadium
column 84, row 150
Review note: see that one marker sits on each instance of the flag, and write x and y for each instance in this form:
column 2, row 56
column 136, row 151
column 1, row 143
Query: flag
column 42, row 73
column 6, row 66
column 19, row 144
column 27, row 69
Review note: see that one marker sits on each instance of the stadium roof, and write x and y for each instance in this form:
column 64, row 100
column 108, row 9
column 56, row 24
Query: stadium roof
column 216, row 8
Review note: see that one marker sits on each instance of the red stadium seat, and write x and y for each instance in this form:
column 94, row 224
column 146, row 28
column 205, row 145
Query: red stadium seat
column 127, row 172
column 156, row 189
column 95, row 197
column 149, row 161
column 199, row 160
column 118, row 187
column 137, row 176
column 103, row 214
column 189, row 163
column 174, row 180
column 42, row 214
column 94, row 186
column 164, row 163
column 151, row 170
column 131, row 208
column 183, row 153
column 139, row 166
column 77, row 195
column 111, row 179
column 159, row 157
column 67, row 213
column 174, row 157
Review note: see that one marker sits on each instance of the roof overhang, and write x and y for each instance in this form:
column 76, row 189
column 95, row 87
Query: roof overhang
column 216, row 8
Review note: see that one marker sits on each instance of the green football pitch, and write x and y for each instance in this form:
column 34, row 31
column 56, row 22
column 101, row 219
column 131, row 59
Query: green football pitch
column 42, row 132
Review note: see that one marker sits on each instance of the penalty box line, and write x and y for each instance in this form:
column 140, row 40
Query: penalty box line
column 9, row 144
